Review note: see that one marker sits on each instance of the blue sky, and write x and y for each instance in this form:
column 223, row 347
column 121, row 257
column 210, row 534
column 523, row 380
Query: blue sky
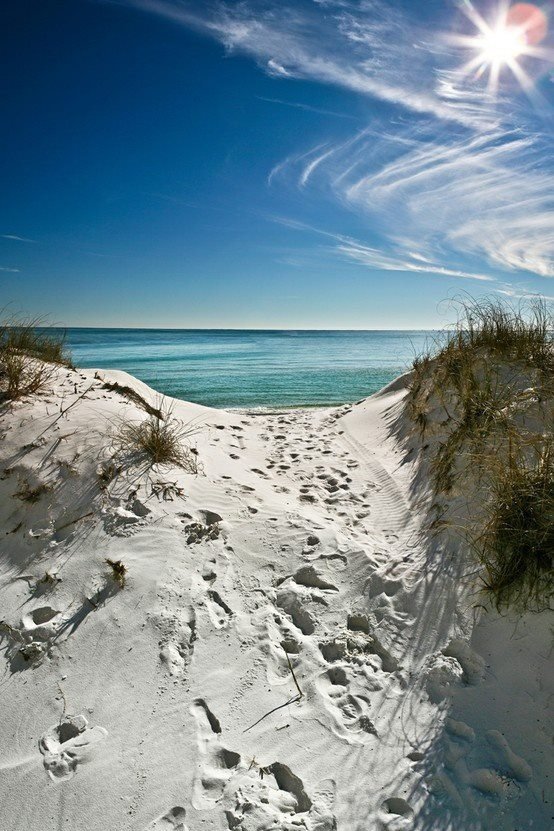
column 268, row 163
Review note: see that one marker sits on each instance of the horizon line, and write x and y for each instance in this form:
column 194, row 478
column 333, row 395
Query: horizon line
column 242, row 329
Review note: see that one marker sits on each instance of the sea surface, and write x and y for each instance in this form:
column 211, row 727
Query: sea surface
column 252, row 368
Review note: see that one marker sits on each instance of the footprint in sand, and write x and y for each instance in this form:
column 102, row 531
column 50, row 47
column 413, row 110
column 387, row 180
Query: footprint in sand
column 515, row 766
column 32, row 639
column 292, row 602
column 396, row 814
column 174, row 819
column 309, row 577
column 177, row 641
column 216, row 763
column 65, row 745
column 278, row 801
column 350, row 710
column 354, row 711
column 220, row 613
column 363, row 641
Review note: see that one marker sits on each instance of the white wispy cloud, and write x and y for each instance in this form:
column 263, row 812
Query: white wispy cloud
column 380, row 260
column 275, row 68
column 291, row 161
column 12, row 270
column 524, row 294
column 416, row 264
column 488, row 196
column 313, row 164
column 367, row 48
column 17, row 238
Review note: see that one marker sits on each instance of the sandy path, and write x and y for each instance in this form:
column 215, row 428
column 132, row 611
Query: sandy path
column 170, row 703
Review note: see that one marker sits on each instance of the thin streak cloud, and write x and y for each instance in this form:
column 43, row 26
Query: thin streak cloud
column 16, row 238
column 307, row 108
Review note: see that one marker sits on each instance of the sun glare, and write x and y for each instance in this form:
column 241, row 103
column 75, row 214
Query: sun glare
column 514, row 33
column 502, row 44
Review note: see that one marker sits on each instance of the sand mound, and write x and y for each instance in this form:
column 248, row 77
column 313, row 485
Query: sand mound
column 285, row 647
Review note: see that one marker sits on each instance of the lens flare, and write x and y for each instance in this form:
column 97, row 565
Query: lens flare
column 515, row 32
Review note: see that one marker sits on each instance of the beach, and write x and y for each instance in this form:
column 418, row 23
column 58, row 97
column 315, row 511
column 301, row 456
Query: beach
column 284, row 647
column 277, row 415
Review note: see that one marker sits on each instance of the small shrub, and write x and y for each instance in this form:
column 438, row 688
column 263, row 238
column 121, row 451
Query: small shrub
column 160, row 441
column 477, row 425
column 515, row 333
column 32, row 339
column 47, row 582
column 134, row 396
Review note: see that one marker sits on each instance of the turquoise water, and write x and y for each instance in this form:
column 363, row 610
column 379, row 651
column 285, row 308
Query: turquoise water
column 242, row 368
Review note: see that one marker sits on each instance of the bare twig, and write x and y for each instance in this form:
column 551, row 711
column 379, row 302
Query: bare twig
column 274, row 710
column 292, row 700
column 300, row 693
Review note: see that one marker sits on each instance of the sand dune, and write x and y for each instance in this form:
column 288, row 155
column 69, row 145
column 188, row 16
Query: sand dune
column 289, row 650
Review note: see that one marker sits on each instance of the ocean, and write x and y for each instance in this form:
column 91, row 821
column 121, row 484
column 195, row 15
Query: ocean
column 252, row 368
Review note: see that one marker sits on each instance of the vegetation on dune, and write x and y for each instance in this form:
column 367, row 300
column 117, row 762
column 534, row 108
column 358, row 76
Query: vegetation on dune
column 483, row 396
column 29, row 354
column 516, row 544
column 159, row 441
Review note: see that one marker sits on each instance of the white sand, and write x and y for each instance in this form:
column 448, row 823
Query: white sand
column 148, row 708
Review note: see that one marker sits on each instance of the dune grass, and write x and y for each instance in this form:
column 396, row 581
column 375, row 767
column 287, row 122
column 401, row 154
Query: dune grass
column 514, row 333
column 159, row 441
column 516, row 544
column 29, row 354
column 483, row 397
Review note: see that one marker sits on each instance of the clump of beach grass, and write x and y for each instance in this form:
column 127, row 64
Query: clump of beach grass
column 475, row 373
column 482, row 396
column 514, row 333
column 159, row 441
column 29, row 354
column 119, row 571
column 516, row 543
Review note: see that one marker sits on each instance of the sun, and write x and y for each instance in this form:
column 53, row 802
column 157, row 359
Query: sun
column 514, row 32
column 501, row 45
